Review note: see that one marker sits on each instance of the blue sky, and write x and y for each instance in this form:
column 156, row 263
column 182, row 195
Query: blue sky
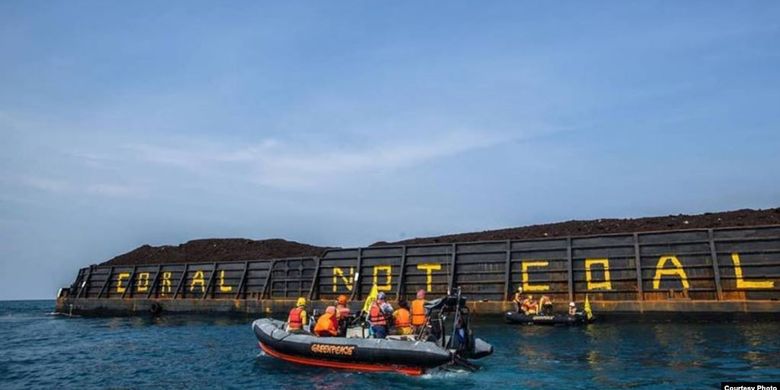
column 345, row 123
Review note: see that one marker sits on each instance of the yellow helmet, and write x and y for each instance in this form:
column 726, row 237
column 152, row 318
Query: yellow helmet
column 301, row 302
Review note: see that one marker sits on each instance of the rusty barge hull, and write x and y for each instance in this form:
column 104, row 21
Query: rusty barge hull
column 730, row 270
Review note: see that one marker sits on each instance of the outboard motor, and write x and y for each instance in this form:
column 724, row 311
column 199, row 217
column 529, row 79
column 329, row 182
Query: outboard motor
column 459, row 338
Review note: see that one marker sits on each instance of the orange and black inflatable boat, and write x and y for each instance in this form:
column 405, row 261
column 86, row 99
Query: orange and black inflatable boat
column 361, row 354
column 408, row 355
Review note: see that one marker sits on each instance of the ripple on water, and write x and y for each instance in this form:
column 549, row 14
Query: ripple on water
column 47, row 351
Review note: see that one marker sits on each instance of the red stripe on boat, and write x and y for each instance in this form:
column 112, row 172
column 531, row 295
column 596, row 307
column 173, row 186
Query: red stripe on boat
column 342, row 365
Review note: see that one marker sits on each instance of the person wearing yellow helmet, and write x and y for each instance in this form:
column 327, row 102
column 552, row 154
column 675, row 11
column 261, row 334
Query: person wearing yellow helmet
column 297, row 318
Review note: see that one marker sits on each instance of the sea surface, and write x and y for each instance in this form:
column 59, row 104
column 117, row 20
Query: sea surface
column 40, row 350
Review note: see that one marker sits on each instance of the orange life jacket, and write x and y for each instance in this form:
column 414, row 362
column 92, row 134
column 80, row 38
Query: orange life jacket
column 418, row 312
column 402, row 318
column 376, row 316
column 295, row 320
column 326, row 325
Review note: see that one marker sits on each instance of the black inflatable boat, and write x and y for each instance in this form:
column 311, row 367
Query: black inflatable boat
column 413, row 355
column 514, row 317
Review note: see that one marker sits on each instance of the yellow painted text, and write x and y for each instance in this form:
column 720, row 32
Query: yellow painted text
column 388, row 270
column 198, row 280
column 222, row 287
column 606, row 284
column 338, row 273
column 742, row 283
column 122, row 276
column 527, row 286
column 429, row 268
column 165, row 286
column 142, row 282
column 678, row 271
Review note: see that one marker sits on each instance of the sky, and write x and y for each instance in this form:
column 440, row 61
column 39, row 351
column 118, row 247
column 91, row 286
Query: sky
column 344, row 123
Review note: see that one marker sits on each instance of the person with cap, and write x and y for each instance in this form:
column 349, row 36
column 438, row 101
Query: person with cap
column 518, row 300
column 572, row 309
column 418, row 310
column 378, row 316
column 297, row 319
column 327, row 325
column 402, row 319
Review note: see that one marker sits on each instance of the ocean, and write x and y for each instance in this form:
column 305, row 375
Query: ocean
column 41, row 350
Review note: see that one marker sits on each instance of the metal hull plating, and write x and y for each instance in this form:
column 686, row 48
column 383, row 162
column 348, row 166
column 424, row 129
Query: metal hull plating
column 704, row 270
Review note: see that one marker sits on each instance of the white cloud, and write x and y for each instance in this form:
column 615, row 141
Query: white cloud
column 116, row 190
column 58, row 186
column 46, row 184
column 286, row 165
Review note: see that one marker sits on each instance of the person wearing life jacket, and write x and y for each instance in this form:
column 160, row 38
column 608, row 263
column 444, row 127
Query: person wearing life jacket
column 545, row 305
column 327, row 325
column 418, row 310
column 402, row 319
column 378, row 316
column 343, row 314
column 297, row 319
column 572, row 309
column 529, row 306
column 342, row 311
column 518, row 300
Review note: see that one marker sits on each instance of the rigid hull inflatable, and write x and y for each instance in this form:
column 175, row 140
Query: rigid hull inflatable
column 362, row 354
column 514, row 317
column 433, row 345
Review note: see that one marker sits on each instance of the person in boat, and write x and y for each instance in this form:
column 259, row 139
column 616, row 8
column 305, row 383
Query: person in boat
column 327, row 325
column 418, row 311
column 402, row 319
column 518, row 300
column 379, row 315
column 545, row 305
column 297, row 319
column 529, row 306
column 342, row 311
column 572, row 309
column 343, row 314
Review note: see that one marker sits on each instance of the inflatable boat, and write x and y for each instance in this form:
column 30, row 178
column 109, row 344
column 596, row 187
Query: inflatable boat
column 579, row 318
column 416, row 354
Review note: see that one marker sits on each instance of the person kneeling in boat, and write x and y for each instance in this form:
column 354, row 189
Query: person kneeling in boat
column 402, row 319
column 378, row 316
column 529, row 306
column 518, row 300
column 297, row 319
column 418, row 311
column 327, row 325
column 572, row 309
column 545, row 305
column 343, row 314
column 342, row 311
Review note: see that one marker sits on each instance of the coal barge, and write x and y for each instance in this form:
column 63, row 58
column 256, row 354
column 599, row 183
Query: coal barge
column 691, row 272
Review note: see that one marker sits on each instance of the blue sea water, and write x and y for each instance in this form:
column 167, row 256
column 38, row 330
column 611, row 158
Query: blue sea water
column 40, row 350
